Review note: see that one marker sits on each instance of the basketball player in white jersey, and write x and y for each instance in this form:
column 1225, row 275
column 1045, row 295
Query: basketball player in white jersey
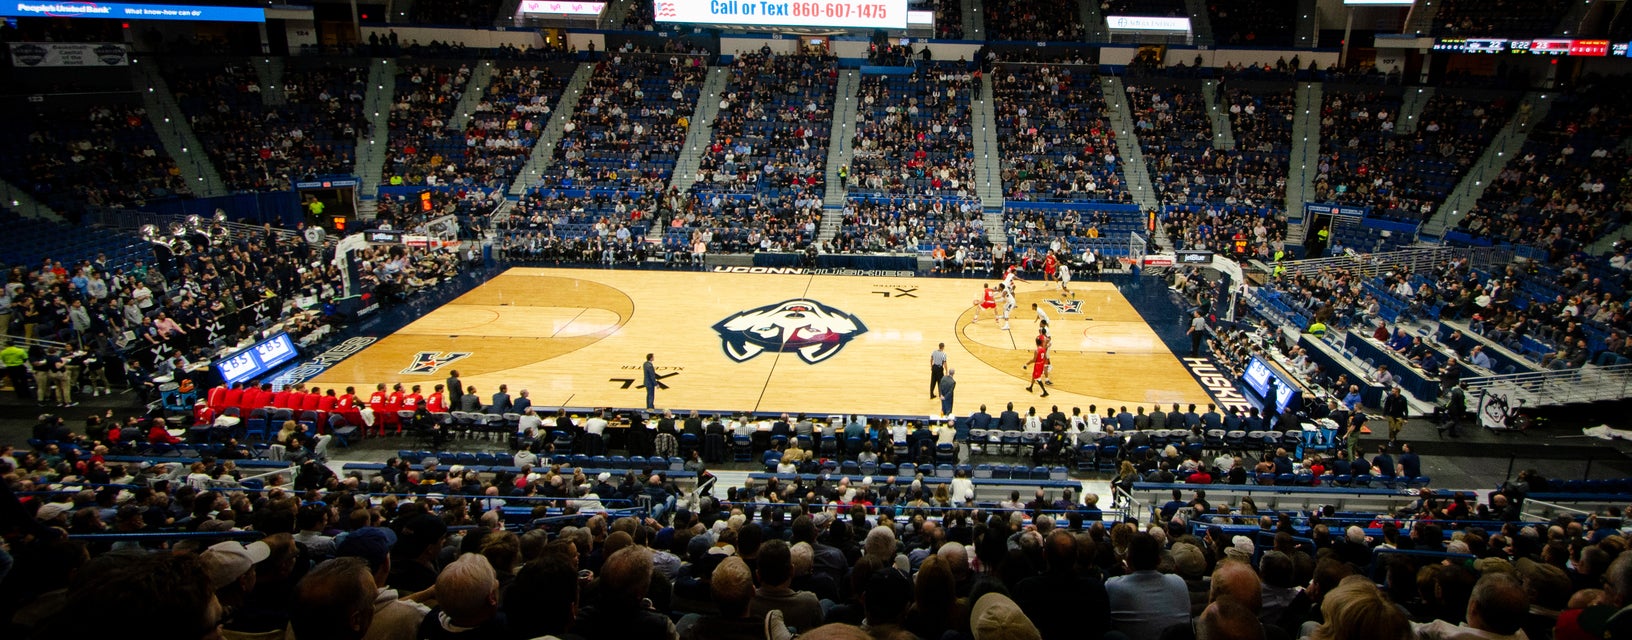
column 1007, row 307
column 1009, row 276
column 1042, row 316
column 1065, row 279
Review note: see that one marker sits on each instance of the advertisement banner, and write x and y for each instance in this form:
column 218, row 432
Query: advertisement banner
column 122, row 11
column 1335, row 209
column 867, row 14
column 1147, row 23
column 546, row 7
column 60, row 54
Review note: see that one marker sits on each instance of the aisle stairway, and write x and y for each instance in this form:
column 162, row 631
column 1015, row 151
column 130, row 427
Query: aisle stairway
column 475, row 89
column 1305, row 156
column 702, row 129
column 1223, row 132
column 175, row 132
column 974, row 22
column 988, row 153
column 1201, row 26
column 840, row 149
column 1134, row 172
column 544, row 150
column 1093, row 21
column 841, row 137
column 1410, row 116
column 20, row 200
column 373, row 142
column 1421, row 19
column 269, row 74
column 616, row 11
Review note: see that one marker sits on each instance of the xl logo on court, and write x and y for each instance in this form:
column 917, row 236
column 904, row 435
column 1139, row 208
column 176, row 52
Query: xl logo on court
column 810, row 329
column 433, row 361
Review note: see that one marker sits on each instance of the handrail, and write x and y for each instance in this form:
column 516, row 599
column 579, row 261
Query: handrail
column 1590, row 383
column 32, row 342
column 1418, row 259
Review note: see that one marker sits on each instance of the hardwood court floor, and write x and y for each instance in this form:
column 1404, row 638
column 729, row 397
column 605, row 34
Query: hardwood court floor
column 771, row 342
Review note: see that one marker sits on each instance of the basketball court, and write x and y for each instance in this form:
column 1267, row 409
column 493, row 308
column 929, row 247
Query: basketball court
column 772, row 342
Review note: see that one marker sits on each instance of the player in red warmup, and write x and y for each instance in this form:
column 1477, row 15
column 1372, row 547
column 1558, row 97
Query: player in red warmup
column 1038, row 364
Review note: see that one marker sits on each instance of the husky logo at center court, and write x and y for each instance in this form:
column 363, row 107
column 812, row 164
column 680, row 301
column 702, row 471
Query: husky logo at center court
column 810, row 329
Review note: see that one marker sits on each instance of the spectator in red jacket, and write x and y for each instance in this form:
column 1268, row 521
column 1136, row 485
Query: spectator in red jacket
column 157, row 434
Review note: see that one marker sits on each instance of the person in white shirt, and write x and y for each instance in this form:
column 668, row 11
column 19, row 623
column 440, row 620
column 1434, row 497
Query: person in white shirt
column 1382, row 376
column 898, row 432
column 529, row 424
column 596, row 424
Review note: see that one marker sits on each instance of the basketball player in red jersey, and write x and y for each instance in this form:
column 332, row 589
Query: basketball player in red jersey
column 435, row 403
column 985, row 301
column 1050, row 263
column 1039, row 362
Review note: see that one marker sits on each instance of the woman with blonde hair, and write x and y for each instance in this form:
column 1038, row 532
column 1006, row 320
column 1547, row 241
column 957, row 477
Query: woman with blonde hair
column 288, row 433
column 1357, row 610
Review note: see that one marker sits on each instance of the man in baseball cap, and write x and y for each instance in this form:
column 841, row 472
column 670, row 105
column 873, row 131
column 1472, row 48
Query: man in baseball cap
column 232, row 561
column 396, row 615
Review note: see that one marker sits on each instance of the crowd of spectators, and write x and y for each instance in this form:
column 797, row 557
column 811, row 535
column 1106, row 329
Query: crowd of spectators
column 456, row 13
column 948, row 19
column 421, row 549
column 1069, row 234
column 721, row 223
column 549, row 226
column 630, row 122
column 913, row 134
column 261, row 147
column 1504, row 18
column 75, row 158
column 512, row 114
column 1401, row 176
column 210, row 290
column 1569, row 182
column 1045, row 21
column 640, row 16
column 909, row 224
column 771, row 134
column 1254, row 24
column 1169, row 8
column 422, row 148
column 1056, row 142
column 1234, row 230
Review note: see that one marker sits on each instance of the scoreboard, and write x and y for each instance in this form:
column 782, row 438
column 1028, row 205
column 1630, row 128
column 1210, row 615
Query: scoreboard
column 258, row 359
column 1540, row 46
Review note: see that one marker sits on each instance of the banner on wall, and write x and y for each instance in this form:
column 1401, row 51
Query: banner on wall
column 550, row 8
column 122, row 11
column 1335, row 209
column 1147, row 23
column 69, row 54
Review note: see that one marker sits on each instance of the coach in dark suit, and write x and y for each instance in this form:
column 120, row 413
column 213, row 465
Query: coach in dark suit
column 649, row 373
column 1009, row 420
column 456, row 389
